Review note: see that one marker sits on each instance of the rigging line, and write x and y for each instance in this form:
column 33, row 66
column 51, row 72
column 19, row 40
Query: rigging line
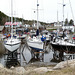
column 68, row 48
column 62, row 48
column 71, row 9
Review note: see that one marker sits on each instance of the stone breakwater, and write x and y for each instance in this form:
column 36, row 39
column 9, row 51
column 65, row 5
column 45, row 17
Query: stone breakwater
column 29, row 69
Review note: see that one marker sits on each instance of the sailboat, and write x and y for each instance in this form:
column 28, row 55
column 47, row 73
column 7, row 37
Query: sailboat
column 63, row 44
column 12, row 43
column 35, row 42
column 46, row 34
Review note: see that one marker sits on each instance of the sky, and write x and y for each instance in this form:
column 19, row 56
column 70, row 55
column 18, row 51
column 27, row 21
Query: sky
column 47, row 9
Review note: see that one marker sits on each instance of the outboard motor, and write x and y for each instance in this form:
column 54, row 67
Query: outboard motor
column 37, row 32
column 43, row 38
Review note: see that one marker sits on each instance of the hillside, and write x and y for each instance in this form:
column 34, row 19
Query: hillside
column 4, row 18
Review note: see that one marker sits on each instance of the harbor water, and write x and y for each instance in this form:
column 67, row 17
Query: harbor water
column 26, row 56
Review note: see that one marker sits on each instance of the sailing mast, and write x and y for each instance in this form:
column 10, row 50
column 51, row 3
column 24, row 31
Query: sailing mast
column 37, row 32
column 63, row 18
column 12, row 44
column 57, row 24
column 11, row 18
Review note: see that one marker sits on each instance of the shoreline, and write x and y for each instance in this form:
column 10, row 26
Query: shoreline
column 59, row 69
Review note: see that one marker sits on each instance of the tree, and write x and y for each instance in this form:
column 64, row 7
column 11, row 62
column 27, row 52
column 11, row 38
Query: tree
column 71, row 22
column 66, row 21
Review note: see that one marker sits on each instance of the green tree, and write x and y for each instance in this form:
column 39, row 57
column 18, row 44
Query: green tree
column 71, row 22
column 66, row 21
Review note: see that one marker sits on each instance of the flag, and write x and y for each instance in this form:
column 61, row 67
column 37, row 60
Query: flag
column 37, row 4
column 64, row 4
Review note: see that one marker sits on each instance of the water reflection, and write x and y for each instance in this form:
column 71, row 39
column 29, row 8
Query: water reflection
column 2, row 60
column 47, row 57
column 26, row 55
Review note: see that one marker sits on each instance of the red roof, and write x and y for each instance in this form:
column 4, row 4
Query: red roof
column 10, row 23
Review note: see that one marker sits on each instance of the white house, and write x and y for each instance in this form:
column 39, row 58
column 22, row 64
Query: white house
column 35, row 25
column 27, row 25
column 58, row 23
column 68, row 28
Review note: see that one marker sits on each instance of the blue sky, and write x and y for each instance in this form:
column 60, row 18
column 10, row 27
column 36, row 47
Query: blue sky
column 47, row 9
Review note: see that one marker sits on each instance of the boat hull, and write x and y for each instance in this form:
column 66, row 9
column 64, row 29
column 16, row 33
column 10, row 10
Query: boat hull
column 12, row 44
column 64, row 48
column 36, row 45
column 12, row 47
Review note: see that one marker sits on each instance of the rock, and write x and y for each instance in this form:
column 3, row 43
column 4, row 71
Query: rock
column 20, row 70
column 12, row 67
column 40, row 70
column 63, row 64
column 1, row 66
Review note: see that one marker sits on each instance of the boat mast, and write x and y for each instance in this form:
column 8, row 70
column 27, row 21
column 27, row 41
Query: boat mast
column 11, row 18
column 37, row 33
column 63, row 18
column 63, row 15
column 34, row 20
column 57, row 24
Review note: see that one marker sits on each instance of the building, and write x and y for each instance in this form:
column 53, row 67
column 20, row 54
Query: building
column 15, row 24
column 58, row 23
column 71, row 28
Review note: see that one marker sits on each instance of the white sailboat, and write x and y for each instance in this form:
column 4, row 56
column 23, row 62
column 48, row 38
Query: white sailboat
column 35, row 42
column 12, row 43
column 46, row 34
column 63, row 44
